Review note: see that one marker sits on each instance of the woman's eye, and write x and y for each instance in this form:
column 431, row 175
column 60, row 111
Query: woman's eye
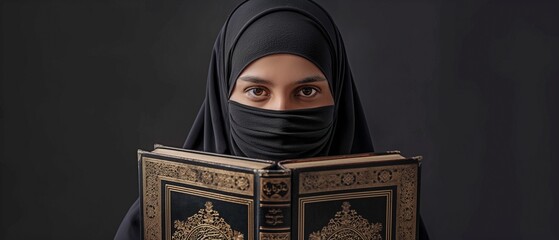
column 256, row 92
column 307, row 92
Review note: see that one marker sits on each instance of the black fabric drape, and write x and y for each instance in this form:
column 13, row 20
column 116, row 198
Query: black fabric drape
column 257, row 28
column 279, row 26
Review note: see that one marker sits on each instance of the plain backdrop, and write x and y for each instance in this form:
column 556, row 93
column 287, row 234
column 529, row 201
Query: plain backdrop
column 469, row 85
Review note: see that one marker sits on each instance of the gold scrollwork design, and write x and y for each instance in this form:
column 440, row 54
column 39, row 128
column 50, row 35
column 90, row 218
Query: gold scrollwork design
column 275, row 189
column 206, row 224
column 347, row 224
column 403, row 177
column 275, row 236
column 155, row 170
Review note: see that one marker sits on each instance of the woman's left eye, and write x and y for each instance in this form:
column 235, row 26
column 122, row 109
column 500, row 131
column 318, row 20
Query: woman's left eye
column 307, row 92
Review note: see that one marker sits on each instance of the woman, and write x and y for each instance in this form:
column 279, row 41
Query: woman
column 279, row 86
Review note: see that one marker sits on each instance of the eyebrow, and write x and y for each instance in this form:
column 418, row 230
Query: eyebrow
column 257, row 80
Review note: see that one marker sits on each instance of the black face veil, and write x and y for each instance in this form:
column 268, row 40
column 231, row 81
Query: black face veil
column 258, row 28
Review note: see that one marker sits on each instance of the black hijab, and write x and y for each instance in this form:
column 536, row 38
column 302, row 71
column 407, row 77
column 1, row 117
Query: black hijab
column 258, row 28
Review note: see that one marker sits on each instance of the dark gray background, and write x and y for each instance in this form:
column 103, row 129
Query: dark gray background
column 470, row 85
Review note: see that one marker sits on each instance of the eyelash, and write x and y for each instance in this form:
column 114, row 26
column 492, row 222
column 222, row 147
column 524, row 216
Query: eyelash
column 265, row 92
column 314, row 91
column 250, row 92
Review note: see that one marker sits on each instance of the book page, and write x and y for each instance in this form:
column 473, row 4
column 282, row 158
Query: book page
column 213, row 159
column 343, row 161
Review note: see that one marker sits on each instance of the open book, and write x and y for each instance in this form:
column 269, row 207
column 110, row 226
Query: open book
column 189, row 194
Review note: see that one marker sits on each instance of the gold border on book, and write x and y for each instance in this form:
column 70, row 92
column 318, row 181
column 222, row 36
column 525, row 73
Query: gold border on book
column 212, row 178
column 274, row 236
column 154, row 170
column 221, row 197
column 275, row 205
column 403, row 177
column 274, row 229
column 346, row 196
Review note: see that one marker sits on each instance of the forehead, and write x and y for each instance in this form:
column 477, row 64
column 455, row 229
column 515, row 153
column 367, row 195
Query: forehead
column 282, row 66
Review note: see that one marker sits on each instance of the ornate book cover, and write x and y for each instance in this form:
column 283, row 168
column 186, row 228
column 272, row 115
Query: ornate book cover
column 188, row 194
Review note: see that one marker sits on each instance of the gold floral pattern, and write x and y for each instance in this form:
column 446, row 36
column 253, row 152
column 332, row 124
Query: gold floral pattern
column 206, row 224
column 403, row 177
column 156, row 170
column 348, row 225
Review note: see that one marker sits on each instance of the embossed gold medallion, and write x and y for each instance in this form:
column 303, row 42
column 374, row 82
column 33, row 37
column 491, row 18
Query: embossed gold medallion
column 206, row 224
column 348, row 225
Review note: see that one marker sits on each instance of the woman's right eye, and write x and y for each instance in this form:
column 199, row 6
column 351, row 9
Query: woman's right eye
column 256, row 92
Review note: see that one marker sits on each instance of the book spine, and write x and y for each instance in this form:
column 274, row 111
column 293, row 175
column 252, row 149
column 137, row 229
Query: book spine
column 273, row 210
